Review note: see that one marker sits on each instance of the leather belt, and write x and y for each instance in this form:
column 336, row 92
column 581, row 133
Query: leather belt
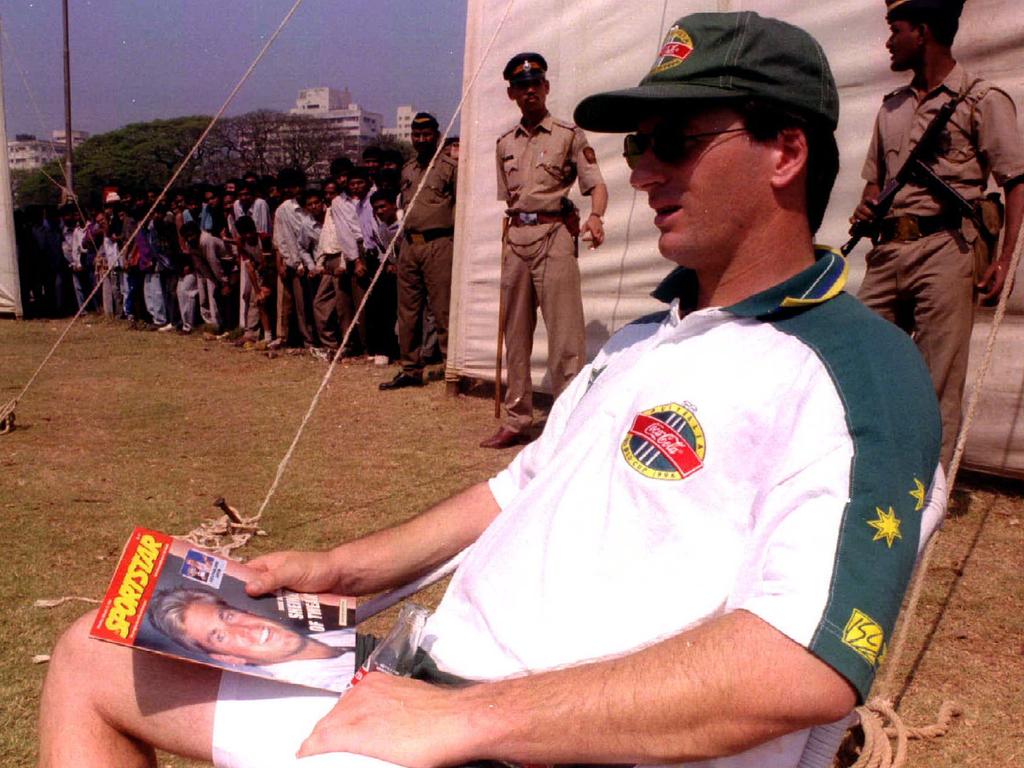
column 524, row 219
column 428, row 235
column 910, row 227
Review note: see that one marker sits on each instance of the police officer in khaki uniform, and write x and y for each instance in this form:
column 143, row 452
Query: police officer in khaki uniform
column 425, row 260
column 920, row 272
column 538, row 161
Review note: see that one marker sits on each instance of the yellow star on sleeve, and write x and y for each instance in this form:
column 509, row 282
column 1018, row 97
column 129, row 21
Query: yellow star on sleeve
column 918, row 493
column 887, row 526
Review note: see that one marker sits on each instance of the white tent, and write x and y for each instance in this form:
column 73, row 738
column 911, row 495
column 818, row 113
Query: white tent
column 594, row 45
column 10, row 287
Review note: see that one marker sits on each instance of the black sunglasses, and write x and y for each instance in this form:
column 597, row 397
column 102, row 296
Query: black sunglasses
column 668, row 146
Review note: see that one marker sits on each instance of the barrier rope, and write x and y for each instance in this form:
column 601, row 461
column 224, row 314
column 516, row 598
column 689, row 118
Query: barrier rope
column 224, row 534
column 7, row 411
column 877, row 750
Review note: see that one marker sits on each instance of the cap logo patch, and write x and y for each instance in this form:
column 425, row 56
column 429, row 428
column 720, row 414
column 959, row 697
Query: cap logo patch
column 674, row 50
column 665, row 443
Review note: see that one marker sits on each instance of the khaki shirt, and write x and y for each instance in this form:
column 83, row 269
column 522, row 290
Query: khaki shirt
column 435, row 206
column 536, row 170
column 981, row 138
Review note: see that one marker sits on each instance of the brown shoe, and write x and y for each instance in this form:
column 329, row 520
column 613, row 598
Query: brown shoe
column 401, row 381
column 504, row 438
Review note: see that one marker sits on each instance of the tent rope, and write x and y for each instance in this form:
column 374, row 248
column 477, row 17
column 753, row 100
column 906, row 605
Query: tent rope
column 224, row 535
column 10, row 406
column 877, row 751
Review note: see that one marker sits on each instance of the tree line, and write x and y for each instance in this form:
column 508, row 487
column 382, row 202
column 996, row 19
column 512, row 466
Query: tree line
column 141, row 156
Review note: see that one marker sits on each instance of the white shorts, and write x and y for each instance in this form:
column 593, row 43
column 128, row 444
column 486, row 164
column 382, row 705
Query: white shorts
column 260, row 723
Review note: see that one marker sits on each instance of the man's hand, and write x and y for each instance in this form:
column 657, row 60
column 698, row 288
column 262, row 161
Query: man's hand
column 403, row 721
column 301, row 571
column 865, row 211
column 992, row 282
column 360, row 267
column 595, row 229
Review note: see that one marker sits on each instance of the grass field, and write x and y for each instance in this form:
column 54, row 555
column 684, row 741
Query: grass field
column 126, row 428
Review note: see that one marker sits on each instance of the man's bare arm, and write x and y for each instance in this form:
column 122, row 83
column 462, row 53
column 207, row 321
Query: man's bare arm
column 724, row 687
column 991, row 284
column 593, row 229
column 387, row 558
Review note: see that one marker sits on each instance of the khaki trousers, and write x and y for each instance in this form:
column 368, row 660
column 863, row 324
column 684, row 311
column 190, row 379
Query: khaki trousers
column 424, row 279
column 543, row 274
column 292, row 289
column 926, row 288
column 333, row 308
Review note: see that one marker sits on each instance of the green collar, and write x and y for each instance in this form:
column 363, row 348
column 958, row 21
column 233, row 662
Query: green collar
column 818, row 283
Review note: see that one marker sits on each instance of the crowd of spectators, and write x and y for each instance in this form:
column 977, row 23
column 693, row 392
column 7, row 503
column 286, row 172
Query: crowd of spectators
column 264, row 262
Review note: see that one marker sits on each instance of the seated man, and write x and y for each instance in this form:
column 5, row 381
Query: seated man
column 704, row 553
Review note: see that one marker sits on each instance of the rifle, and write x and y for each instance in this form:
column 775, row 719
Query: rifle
column 914, row 167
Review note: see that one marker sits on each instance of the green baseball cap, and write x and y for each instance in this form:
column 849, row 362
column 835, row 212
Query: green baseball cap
column 723, row 56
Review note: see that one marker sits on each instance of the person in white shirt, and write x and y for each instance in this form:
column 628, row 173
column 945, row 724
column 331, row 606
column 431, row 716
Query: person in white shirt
column 352, row 219
column 748, row 475
column 256, row 208
column 79, row 260
column 206, row 252
column 337, row 248
column 109, row 265
column 294, row 262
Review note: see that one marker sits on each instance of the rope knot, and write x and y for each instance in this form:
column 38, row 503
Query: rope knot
column 7, row 417
column 881, row 724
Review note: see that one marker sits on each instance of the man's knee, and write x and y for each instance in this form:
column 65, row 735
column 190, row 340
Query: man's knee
column 75, row 649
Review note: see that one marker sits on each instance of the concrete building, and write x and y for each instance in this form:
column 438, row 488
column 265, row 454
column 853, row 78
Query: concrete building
column 26, row 152
column 77, row 137
column 356, row 126
column 403, row 123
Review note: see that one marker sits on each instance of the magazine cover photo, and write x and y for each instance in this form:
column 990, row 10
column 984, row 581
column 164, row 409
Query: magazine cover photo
column 168, row 596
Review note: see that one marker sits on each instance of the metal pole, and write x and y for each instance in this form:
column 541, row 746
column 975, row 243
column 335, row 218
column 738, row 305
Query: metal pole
column 68, row 164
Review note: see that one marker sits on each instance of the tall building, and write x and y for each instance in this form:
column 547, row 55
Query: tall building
column 77, row 137
column 403, row 123
column 26, row 152
column 356, row 126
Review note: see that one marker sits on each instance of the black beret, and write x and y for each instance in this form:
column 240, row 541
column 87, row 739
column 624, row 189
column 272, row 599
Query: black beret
column 952, row 8
column 424, row 120
column 525, row 67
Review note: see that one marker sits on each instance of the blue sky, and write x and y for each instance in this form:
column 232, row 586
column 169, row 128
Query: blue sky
column 137, row 60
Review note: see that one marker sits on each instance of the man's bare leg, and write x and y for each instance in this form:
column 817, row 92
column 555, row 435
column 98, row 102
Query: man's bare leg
column 106, row 705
